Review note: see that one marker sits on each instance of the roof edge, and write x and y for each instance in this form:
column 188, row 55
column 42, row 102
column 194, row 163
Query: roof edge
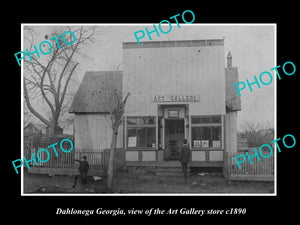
column 179, row 43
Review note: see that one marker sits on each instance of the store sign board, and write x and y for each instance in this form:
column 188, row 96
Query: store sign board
column 176, row 98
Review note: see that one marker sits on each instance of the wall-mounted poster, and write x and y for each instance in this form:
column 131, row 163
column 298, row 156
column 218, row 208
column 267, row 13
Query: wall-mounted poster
column 131, row 141
column 217, row 143
column 197, row 143
column 205, row 143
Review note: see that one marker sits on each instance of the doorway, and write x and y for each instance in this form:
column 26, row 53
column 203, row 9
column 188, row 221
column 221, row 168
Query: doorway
column 174, row 134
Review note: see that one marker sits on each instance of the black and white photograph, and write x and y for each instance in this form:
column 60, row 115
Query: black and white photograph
column 149, row 113
column 145, row 109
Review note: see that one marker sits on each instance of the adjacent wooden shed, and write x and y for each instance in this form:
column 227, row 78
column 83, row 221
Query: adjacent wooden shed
column 92, row 105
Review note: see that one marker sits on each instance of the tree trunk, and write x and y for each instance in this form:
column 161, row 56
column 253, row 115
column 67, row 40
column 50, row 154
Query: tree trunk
column 53, row 129
column 110, row 169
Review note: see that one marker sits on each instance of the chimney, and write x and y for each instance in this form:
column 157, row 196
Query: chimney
column 229, row 60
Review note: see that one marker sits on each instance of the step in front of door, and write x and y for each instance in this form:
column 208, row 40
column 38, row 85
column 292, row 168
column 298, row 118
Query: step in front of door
column 170, row 171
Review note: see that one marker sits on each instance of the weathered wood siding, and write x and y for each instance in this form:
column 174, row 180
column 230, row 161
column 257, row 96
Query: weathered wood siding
column 193, row 70
column 94, row 131
column 231, row 131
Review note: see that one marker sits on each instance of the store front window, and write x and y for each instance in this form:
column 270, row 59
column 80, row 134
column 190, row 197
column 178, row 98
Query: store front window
column 206, row 132
column 141, row 132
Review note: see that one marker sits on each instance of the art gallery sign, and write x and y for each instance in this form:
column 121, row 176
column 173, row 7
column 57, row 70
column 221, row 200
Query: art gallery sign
column 176, row 98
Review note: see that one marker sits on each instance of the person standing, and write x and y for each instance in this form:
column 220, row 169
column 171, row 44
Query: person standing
column 184, row 158
column 83, row 169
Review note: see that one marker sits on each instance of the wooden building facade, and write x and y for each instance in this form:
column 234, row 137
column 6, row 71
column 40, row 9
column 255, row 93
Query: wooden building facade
column 178, row 90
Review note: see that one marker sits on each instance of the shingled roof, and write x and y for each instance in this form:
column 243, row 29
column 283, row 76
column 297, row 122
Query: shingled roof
column 233, row 101
column 97, row 92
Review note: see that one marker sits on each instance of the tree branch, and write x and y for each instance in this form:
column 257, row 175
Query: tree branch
column 31, row 109
column 66, row 85
column 47, row 79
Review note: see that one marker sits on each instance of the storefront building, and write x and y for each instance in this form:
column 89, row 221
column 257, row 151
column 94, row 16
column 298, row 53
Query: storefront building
column 178, row 90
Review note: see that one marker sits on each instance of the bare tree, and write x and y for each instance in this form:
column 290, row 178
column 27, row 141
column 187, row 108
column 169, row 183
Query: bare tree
column 257, row 133
column 46, row 79
column 116, row 116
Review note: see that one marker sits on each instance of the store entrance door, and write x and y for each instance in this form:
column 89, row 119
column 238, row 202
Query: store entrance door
column 174, row 135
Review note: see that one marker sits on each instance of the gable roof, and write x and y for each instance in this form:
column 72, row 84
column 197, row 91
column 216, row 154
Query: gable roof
column 233, row 100
column 97, row 92
column 41, row 128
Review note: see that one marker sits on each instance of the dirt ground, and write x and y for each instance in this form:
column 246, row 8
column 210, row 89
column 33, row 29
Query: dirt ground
column 132, row 182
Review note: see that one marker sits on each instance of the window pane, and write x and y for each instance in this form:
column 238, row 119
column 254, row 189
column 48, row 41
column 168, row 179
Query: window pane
column 201, row 119
column 216, row 119
column 132, row 139
column 206, row 137
column 176, row 126
column 196, row 120
column 131, row 132
column 151, row 137
column 140, row 121
column 216, row 137
column 131, row 121
column 141, row 137
column 206, row 119
column 151, row 120
column 196, row 136
column 216, row 133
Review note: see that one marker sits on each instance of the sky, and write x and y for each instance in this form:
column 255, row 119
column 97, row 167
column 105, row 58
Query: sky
column 252, row 47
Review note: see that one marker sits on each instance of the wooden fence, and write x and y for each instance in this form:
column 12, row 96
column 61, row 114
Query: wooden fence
column 97, row 158
column 258, row 170
column 64, row 163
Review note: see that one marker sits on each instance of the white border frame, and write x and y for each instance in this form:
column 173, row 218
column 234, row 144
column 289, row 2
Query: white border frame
column 153, row 194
